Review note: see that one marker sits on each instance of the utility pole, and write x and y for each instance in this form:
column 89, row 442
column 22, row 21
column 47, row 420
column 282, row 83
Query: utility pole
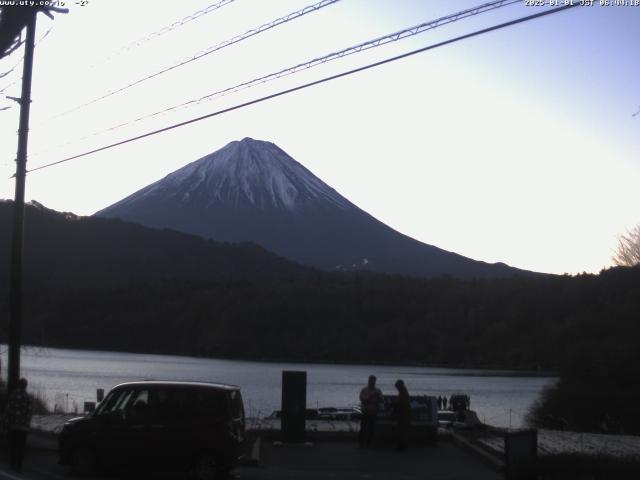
column 15, row 286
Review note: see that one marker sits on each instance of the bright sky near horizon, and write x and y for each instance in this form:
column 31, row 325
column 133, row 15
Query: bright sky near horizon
column 519, row 146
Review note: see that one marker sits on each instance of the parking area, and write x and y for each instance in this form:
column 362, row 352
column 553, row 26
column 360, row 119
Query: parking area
column 340, row 460
column 345, row 460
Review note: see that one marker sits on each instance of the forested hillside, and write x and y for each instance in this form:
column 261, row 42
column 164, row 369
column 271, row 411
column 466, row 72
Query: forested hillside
column 106, row 284
column 64, row 251
column 518, row 323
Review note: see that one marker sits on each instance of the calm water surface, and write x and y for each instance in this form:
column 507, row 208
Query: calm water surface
column 65, row 379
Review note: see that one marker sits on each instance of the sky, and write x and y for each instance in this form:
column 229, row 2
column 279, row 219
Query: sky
column 517, row 146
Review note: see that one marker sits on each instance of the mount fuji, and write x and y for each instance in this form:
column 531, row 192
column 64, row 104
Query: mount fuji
column 252, row 190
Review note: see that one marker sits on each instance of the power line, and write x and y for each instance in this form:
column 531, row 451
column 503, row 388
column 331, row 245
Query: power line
column 377, row 42
column 7, row 72
column 310, row 84
column 238, row 38
column 179, row 23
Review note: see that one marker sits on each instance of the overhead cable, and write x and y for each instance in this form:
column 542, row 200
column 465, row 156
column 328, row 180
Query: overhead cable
column 238, row 38
column 311, row 84
column 179, row 23
column 376, row 42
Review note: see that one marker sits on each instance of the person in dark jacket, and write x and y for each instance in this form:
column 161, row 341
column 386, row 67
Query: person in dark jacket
column 403, row 415
column 370, row 398
column 18, row 418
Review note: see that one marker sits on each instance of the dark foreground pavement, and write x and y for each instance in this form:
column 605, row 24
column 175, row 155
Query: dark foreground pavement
column 322, row 460
column 338, row 460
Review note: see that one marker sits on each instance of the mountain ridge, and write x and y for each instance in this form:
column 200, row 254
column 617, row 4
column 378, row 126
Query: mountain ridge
column 233, row 173
column 252, row 190
column 66, row 251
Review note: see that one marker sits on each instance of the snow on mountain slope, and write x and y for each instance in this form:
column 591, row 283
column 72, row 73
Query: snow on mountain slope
column 252, row 190
column 243, row 173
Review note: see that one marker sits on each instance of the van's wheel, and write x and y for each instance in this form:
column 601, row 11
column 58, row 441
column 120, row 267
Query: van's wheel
column 84, row 461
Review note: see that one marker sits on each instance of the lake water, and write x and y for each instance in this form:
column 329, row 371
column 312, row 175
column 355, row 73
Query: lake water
column 65, row 379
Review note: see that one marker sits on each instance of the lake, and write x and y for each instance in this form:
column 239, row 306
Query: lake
column 65, row 379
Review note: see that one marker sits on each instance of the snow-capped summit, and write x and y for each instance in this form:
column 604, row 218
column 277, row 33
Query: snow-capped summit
column 246, row 173
column 252, row 190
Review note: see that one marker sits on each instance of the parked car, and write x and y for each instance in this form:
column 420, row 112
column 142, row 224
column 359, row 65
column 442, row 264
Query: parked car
column 159, row 426
column 309, row 414
column 342, row 414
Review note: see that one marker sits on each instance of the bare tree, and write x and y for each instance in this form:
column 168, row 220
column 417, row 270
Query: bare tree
column 628, row 251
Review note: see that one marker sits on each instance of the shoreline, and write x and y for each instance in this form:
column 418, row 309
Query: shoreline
column 483, row 370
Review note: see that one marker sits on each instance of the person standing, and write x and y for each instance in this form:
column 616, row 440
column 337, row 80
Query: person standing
column 18, row 420
column 370, row 398
column 444, row 402
column 403, row 415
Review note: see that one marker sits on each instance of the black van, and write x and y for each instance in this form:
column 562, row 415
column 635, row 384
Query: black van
column 159, row 426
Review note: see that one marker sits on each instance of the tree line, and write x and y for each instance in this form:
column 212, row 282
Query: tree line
column 166, row 292
column 527, row 323
column 584, row 327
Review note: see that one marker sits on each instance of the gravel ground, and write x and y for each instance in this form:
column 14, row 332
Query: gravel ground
column 553, row 442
